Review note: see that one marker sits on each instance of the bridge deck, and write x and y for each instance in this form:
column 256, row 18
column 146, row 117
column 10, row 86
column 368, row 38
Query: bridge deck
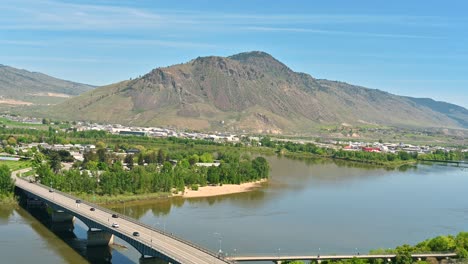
column 336, row 257
column 178, row 250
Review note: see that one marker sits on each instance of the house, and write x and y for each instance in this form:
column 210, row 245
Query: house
column 370, row 149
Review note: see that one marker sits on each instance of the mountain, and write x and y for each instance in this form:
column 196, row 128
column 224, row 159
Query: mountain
column 249, row 91
column 21, row 87
column 455, row 112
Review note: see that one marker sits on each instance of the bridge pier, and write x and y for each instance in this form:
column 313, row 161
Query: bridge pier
column 277, row 261
column 99, row 238
column 59, row 216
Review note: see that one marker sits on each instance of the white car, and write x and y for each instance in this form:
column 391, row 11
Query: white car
column 115, row 225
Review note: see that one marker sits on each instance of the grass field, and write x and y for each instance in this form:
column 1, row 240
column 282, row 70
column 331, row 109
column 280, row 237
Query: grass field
column 16, row 165
column 10, row 123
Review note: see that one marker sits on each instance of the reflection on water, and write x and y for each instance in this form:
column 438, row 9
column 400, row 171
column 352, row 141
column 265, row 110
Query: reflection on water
column 310, row 203
column 307, row 204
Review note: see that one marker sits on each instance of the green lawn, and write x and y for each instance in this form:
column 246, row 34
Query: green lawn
column 16, row 165
column 9, row 123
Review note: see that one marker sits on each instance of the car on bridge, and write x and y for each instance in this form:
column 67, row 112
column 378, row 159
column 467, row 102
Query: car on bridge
column 51, row 190
column 92, row 209
column 136, row 234
column 78, row 201
column 115, row 216
column 115, row 225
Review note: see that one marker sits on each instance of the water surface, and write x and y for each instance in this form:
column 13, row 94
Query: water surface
column 336, row 207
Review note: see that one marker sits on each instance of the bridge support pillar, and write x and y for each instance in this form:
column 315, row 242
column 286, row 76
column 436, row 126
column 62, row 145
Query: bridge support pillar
column 61, row 216
column 98, row 238
column 277, row 261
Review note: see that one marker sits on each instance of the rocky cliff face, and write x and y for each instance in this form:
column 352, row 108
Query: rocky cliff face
column 249, row 91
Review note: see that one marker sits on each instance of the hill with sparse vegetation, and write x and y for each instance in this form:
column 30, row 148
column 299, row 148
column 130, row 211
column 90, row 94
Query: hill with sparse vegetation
column 21, row 87
column 251, row 92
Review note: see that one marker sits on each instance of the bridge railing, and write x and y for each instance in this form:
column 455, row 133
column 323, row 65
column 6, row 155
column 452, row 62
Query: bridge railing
column 133, row 220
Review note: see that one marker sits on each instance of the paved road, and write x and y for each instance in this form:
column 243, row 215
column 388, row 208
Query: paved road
column 167, row 245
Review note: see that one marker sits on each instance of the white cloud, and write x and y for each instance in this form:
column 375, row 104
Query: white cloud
column 55, row 15
column 337, row 32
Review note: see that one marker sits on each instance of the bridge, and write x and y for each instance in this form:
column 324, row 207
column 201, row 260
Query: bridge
column 319, row 258
column 150, row 242
column 153, row 242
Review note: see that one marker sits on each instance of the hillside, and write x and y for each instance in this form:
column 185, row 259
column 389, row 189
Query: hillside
column 21, row 87
column 455, row 112
column 250, row 91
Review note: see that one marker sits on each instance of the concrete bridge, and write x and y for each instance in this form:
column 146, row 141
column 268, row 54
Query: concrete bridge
column 319, row 258
column 153, row 242
column 150, row 242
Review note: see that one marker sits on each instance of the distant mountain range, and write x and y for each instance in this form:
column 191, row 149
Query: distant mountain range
column 254, row 92
column 21, row 87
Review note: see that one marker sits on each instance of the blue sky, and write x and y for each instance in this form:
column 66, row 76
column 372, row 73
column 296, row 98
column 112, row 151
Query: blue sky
column 416, row 48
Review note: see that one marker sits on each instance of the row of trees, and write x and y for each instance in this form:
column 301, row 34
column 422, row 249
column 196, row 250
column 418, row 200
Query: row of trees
column 109, row 176
column 372, row 157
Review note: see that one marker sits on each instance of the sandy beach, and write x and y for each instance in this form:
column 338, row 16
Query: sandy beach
column 208, row 191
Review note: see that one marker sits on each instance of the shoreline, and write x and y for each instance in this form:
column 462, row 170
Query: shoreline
column 219, row 190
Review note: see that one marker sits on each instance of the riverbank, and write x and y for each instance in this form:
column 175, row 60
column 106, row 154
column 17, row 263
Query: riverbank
column 117, row 199
column 377, row 163
column 8, row 200
column 204, row 191
column 217, row 190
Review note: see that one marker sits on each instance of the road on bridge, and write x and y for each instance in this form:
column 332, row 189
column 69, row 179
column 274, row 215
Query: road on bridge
column 165, row 244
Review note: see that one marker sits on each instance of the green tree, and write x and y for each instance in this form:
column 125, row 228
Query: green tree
column 403, row 254
column 442, row 243
column 260, row 164
column 6, row 182
column 129, row 160
column 55, row 162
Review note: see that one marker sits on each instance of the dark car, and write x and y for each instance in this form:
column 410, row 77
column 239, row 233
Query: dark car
column 78, row 201
column 136, row 234
column 92, row 209
column 115, row 216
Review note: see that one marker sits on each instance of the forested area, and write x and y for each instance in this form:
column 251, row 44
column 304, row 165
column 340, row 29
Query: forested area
column 362, row 156
column 107, row 173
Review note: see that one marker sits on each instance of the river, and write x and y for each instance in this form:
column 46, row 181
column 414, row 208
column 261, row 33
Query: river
column 307, row 207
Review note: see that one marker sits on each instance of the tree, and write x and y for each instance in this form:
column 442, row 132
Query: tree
column 260, row 164
column 100, row 145
column 442, row 243
column 213, row 175
column 6, row 182
column 193, row 159
column 11, row 141
column 206, row 157
column 55, row 162
column 403, row 254
column 141, row 159
column 161, row 156
column 129, row 160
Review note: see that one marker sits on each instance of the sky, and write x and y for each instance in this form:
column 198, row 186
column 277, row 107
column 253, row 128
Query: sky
column 414, row 48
